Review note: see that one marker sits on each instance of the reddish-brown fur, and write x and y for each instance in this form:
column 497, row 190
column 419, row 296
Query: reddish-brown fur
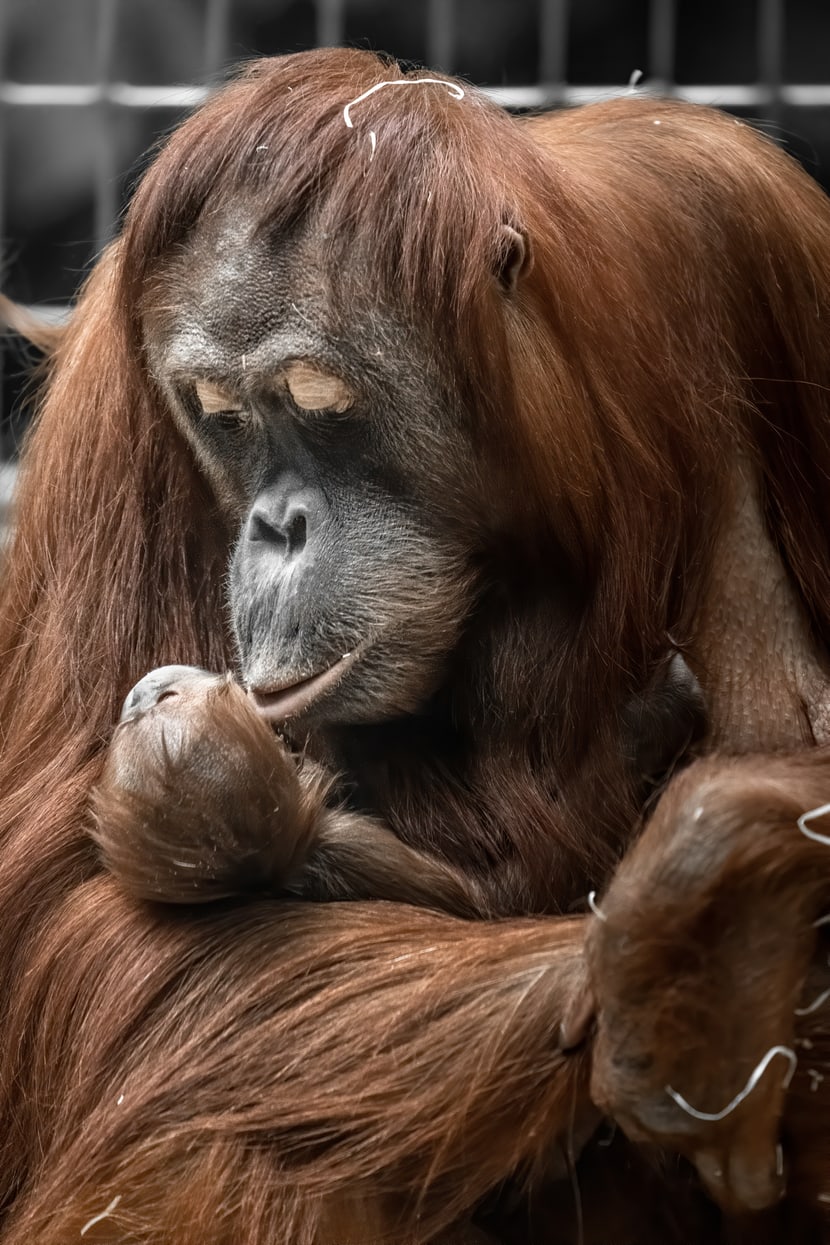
column 200, row 800
column 711, row 951
column 658, row 385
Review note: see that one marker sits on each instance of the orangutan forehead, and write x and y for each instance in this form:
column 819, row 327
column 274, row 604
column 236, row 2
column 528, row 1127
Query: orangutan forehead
column 233, row 265
column 237, row 284
column 233, row 301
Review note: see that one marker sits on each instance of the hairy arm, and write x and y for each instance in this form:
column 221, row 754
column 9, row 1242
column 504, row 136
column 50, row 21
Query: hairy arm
column 251, row 1074
column 709, row 979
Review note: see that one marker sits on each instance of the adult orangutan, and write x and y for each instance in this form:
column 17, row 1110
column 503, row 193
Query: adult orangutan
column 444, row 429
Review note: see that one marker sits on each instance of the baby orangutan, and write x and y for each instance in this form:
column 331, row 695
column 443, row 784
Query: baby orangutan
column 199, row 800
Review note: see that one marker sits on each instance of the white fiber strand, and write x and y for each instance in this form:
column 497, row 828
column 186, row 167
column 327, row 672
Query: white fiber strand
column 814, row 1006
column 455, row 90
column 105, row 1214
column 788, row 1054
column 594, row 906
column 814, row 834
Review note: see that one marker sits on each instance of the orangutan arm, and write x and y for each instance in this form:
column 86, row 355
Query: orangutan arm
column 709, row 979
column 290, row 1059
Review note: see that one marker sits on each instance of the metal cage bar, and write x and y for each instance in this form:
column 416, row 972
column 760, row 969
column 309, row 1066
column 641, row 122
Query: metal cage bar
column 331, row 22
column 553, row 45
column 441, row 35
column 537, row 95
column 6, row 475
column 106, row 170
column 770, row 42
column 662, row 29
column 217, row 31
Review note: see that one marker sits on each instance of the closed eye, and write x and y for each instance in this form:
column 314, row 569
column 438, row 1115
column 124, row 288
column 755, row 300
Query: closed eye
column 214, row 400
column 314, row 389
column 220, row 408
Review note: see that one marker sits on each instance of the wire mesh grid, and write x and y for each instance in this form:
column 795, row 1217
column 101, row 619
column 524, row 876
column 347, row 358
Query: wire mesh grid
column 107, row 97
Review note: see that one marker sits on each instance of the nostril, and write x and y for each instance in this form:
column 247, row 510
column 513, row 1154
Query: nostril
column 167, row 694
column 260, row 529
column 297, row 533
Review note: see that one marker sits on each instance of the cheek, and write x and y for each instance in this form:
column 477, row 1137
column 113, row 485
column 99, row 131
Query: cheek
column 231, row 464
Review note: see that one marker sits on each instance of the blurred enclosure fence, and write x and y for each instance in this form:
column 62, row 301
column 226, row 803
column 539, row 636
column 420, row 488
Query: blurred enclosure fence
column 87, row 85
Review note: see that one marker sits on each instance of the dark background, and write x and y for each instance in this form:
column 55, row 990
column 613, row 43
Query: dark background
column 66, row 171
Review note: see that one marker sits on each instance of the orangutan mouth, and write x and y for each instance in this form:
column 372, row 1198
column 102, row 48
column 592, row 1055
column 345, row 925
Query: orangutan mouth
column 282, row 701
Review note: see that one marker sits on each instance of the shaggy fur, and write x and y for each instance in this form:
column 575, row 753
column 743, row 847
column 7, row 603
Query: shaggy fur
column 656, row 397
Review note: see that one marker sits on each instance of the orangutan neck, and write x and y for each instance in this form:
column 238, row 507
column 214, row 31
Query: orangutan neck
column 766, row 682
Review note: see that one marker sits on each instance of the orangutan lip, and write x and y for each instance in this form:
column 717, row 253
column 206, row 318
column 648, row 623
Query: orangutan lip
column 276, row 704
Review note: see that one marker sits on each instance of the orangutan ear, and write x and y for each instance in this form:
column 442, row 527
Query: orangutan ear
column 578, row 1018
column 514, row 257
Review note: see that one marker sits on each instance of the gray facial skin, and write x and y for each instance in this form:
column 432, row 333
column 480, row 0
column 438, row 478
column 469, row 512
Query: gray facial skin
column 341, row 463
